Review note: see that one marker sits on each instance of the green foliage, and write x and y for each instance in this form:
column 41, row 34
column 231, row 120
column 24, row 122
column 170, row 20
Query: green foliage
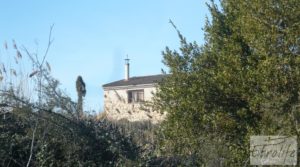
column 243, row 81
column 60, row 141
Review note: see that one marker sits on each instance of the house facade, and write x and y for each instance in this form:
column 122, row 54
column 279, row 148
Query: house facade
column 125, row 99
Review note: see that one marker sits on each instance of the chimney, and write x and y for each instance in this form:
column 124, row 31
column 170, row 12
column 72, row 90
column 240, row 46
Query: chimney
column 126, row 69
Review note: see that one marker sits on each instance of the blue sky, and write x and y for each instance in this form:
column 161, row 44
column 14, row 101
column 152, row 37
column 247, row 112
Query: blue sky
column 92, row 37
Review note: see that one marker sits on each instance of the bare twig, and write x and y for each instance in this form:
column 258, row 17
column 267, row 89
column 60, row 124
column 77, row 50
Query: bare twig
column 32, row 144
column 48, row 46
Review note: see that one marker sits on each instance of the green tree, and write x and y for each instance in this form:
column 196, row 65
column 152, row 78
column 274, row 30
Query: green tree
column 243, row 81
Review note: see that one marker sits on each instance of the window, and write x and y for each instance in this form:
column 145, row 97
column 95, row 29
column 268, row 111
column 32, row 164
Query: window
column 135, row 96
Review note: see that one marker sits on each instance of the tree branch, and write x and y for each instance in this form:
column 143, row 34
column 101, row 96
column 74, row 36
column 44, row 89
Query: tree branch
column 32, row 144
column 48, row 46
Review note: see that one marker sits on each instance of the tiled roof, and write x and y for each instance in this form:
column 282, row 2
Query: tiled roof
column 150, row 79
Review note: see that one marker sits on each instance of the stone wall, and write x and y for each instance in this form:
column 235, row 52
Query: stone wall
column 116, row 106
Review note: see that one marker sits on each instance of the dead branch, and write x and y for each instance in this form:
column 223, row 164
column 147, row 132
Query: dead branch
column 32, row 144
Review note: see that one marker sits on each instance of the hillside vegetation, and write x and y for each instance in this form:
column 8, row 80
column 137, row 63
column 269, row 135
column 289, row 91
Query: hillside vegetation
column 244, row 81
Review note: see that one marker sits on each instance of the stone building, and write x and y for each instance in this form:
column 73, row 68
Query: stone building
column 125, row 99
